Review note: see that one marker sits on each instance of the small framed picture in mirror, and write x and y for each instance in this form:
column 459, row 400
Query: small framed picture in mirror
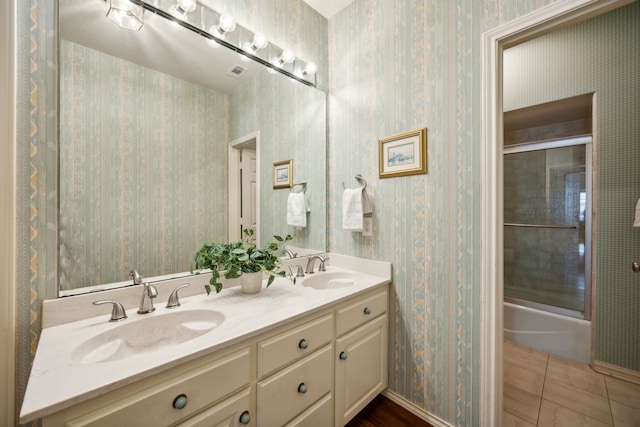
column 283, row 174
column 403, row 154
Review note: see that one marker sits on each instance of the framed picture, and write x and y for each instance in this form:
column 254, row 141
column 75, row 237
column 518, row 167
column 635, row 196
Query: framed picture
column 283, row 174
column 403, row 154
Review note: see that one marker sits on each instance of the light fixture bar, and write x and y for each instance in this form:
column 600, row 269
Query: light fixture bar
column 302, row 78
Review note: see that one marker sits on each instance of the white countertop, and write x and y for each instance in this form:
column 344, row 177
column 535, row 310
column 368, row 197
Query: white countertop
column 57, row 381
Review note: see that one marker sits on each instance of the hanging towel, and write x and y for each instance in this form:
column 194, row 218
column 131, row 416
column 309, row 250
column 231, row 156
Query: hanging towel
column 367, row 207
column 636, row 223
column 296, row 210
column 352, row 209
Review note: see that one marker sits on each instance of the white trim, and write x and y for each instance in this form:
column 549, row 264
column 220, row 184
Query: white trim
column 234, row 185
column 542, row 21
column 8, row 212
column 418, row 412
column 617, row 371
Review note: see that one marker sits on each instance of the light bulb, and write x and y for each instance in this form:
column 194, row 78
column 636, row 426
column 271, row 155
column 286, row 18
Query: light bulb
column 126, row 14
column 225, row 25
column 286, row 57
column 310, row 69
column 259, row 42
column 187, row 5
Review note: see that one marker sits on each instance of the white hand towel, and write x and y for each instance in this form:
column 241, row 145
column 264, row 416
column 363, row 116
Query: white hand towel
column 352, row 209
column 636, row 223
column 296, row 210
column 367, row 207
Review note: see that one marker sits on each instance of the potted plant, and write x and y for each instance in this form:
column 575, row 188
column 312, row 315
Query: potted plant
column 239, row 259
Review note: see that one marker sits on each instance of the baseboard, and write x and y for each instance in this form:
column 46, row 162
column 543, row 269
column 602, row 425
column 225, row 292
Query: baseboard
column 418, row 412
column 616, row 371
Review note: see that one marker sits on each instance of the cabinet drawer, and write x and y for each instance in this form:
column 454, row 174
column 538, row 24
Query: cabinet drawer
column 360, row 312
column 227, row 413
column 293, row 344
column 153, row 406
column 318, row 415
column 281, row 396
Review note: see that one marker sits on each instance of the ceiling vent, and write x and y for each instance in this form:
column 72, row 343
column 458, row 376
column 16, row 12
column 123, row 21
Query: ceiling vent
column 236, row 71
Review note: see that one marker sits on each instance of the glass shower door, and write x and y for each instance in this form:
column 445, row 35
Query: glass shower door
column 546, row 235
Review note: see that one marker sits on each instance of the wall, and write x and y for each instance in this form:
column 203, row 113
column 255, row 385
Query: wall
column 397, row 65
column 599, row 55
column 153, row 149
column 291, row 120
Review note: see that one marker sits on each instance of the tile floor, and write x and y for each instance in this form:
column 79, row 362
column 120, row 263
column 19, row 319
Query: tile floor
column 541, row 389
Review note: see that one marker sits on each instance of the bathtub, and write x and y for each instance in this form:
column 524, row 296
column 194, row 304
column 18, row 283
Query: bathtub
column 564, row 336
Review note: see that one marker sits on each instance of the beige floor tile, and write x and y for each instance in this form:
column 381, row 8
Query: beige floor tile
column 554, row 415
column 623, row 391
column 624, row 416
column 522, row 378
column 520, row 403
column 509, row 420
column 525, row 357
column 576, row 374
column 583, row 402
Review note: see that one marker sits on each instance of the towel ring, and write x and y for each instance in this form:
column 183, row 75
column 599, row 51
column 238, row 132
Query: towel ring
column 361, row 180
column 302, row 184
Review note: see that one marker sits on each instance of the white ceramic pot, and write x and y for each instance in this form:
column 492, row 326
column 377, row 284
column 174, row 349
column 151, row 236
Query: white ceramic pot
column 251, row 282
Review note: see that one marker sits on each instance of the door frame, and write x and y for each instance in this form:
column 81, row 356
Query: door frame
column 8, row 170
column 542, row 21
column 234, row 185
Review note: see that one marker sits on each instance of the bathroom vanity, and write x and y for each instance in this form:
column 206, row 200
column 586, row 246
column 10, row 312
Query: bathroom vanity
column 310, row 354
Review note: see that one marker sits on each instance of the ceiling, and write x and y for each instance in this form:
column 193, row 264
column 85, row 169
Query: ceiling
column 328, row 8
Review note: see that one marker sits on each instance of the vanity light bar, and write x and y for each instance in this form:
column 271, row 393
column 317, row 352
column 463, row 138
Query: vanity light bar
column 268, row 56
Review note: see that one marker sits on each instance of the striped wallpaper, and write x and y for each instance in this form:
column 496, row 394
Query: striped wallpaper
column 389, row 66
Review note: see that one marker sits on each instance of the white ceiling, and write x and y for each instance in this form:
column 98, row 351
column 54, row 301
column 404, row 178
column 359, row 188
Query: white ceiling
column 328, row 8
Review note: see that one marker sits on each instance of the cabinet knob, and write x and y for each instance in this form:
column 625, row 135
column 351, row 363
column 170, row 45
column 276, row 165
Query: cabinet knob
column 343, row 355
column 303, row 344
column 302, row 388
column 180, row 402
column 367, row 310
column 245, row 418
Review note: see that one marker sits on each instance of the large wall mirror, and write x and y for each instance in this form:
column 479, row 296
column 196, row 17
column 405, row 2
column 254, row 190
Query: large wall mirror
column 147, row 119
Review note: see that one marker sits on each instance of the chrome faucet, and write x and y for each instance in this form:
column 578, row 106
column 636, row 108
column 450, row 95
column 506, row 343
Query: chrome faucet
column 148, row 293
column 289, row 253
column 312, row 261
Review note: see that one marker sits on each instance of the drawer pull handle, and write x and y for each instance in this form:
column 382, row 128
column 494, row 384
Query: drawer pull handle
column 180, row 402
column 343, row 355
column 302, row 388
column 303, row 344
column 367, row 310
column 245, row 418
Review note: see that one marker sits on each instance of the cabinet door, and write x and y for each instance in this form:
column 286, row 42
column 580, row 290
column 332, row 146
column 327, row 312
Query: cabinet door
column 361, row 368
column 236, row 411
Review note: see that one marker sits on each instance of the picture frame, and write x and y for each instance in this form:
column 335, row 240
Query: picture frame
column 283, row 174
column 403, row 154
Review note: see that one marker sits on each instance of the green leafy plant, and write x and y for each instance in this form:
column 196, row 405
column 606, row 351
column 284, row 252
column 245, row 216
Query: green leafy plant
column 239, row 257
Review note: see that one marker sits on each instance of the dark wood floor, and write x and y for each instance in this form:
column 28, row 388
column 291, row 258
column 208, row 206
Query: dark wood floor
column 382, row 412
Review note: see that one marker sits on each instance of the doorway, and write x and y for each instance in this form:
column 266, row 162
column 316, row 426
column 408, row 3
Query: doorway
column 545, row 20
column 244, row 188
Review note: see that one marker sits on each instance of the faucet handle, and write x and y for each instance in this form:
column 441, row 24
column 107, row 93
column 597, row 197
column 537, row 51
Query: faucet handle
column 299, row 270
column 117, row 312
column 173, row 300
column 137, row 279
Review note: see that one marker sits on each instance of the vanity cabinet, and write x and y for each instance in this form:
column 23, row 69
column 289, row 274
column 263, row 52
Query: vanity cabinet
column 361, row 370
column 316, row 370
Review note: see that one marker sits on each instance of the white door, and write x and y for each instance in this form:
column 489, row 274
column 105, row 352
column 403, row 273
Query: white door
column 248, row 187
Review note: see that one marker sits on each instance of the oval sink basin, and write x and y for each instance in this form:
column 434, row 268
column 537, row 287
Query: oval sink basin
column 147, row 334
column 331, row 280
